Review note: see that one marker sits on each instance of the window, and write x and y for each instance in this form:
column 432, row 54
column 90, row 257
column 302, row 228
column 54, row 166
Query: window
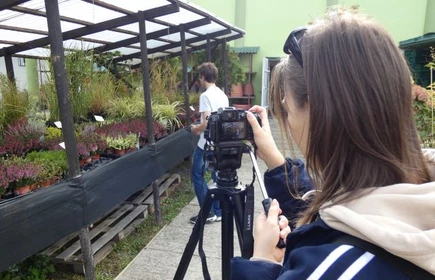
column 21, row 61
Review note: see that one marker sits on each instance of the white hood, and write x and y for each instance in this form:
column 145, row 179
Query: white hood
column 399, row 218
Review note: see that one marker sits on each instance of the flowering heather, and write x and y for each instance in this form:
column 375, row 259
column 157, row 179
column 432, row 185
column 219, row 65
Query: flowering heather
column 82, row 150
column 4, row 182
column 21, row 173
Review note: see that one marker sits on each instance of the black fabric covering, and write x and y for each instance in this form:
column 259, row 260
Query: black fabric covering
column 33, row 222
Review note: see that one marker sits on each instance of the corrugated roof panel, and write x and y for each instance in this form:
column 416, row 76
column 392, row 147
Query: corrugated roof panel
column 37, row 23
column 7, row 15
column 80, row 45
column 135, row 6
column 37, row 4
column 149, row 26
column 87, row 12
column 228, row 35
column 126, row 51
column 183, row 16
column 151, row 44
column 38, row 52
column 174, row 50
column 82, row 10
column 176, row 37
column 18, row 36
column 109, row 36
column 209, row 28
column 199, row 43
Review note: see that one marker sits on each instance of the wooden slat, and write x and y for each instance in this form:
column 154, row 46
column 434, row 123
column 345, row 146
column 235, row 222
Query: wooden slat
column 95, row 231
column 59, row 244
column 163, row 187
column 117, row 228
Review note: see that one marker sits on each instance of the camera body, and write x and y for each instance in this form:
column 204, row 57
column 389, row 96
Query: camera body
column 229, row 125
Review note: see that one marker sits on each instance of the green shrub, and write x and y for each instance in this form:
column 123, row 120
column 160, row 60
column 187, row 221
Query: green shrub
column 37, row 267
column 14, row 104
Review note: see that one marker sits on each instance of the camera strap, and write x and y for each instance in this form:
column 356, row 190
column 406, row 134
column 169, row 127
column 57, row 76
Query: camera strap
column 248, row 222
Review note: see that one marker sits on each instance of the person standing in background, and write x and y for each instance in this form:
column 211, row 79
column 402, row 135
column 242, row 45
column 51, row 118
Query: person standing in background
column 211, row 100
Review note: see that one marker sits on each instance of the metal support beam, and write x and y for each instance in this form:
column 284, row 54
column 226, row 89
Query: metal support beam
column 209, row 48
column 105, row 25
column 224, row 52
column 152, row 35
column 184, row 62
column 66, row 117
column 189, row 41
column 197, row 48
column 6, row 4
column 234, row 37
column 10, row 68
column 148, row 108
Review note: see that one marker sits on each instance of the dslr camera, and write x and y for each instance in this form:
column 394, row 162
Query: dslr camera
column 229, row 125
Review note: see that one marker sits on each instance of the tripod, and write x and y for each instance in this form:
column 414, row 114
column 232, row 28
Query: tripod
column 232, row 197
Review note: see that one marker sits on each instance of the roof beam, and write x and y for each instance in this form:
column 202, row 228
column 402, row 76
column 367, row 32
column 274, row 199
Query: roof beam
column 234, row 37
column 213, row 44
column 188, row 41
column 105, row 25
column 151, row 35
column 6, row 4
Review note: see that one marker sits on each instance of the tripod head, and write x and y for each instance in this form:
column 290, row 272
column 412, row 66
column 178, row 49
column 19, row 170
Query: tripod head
column 225, row 158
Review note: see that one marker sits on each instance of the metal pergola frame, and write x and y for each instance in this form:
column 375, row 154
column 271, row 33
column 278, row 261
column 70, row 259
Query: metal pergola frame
column 214, row 32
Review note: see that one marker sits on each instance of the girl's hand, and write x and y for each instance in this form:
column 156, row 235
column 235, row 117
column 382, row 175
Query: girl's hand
column 267, row 149
column 267, row 232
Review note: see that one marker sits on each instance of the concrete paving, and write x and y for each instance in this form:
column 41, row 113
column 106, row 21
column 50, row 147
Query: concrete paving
column 160, row 258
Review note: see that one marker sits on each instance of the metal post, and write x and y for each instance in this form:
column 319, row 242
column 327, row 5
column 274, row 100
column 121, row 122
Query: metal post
column 184, row 62
column 148, row 109
column 208, row 48
column 69, row 137
column 224, row 53
column 10, row 68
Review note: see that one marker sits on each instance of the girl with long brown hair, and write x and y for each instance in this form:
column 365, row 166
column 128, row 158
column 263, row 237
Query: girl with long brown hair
column 343, row 95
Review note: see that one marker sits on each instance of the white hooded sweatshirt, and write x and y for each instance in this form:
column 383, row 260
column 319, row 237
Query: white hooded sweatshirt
column 399, row 218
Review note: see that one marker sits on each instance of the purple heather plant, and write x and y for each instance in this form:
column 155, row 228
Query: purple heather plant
column 82, row 150
column 21, row 172
column 4, row 182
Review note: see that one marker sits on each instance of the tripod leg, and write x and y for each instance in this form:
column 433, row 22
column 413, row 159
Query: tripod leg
column 194, row 237
column 227, row 238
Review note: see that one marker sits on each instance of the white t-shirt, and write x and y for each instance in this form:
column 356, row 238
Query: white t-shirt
column 209, row 101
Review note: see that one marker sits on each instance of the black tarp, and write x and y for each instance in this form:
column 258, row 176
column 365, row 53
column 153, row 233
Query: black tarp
column 33, row 222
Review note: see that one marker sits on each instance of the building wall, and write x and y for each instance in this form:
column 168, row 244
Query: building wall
column 404, row 19
column 430, row 17
column 19, row 71
column 268, row 22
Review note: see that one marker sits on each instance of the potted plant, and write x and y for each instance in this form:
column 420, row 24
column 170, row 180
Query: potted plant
column 3, row 180
column 49, row 172
column 21, row 174
column 83, row 153
column 118, row 144
column 130, row 142
column 93, row 150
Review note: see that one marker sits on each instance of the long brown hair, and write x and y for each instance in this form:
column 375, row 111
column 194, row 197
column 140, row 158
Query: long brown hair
column 358, row 88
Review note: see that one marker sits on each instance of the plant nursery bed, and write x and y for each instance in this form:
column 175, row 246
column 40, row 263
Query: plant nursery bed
column 113, row 227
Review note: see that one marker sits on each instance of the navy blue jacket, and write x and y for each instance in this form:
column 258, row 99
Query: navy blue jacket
column 309, row 252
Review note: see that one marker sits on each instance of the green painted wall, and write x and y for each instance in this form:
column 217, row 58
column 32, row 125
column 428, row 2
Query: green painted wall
column 268, row 22
column 430, row 17
column 404, row 19
column 223, row 9
column 32, row 76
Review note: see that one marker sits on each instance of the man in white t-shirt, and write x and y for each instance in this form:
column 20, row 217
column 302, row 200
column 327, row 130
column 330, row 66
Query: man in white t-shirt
column 211, row 100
